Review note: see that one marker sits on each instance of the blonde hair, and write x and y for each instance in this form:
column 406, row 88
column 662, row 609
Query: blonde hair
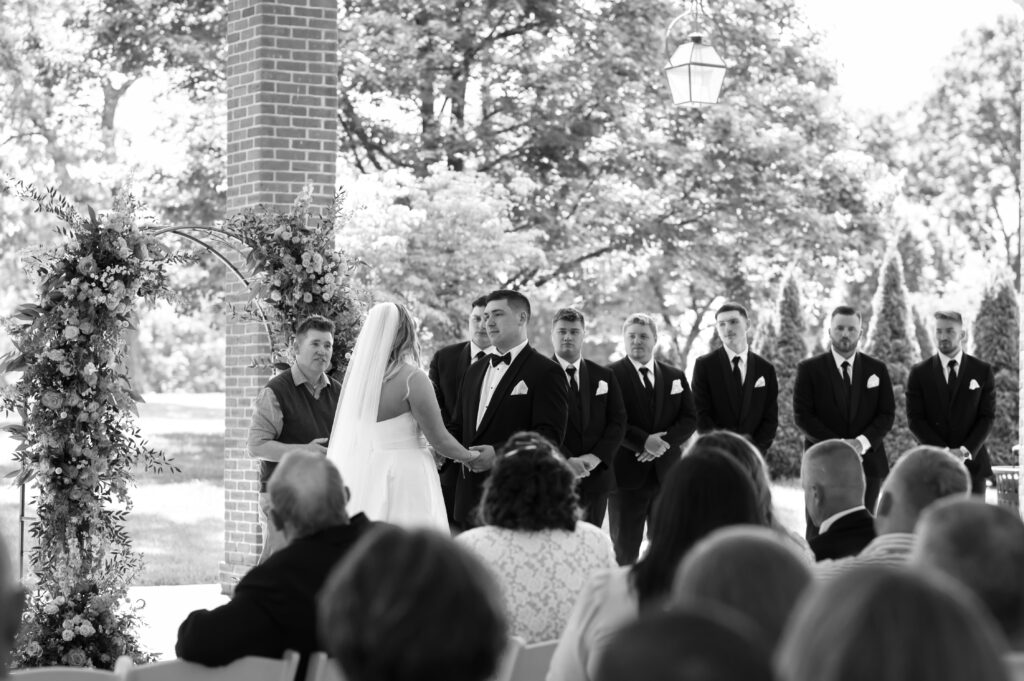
column 406, row 347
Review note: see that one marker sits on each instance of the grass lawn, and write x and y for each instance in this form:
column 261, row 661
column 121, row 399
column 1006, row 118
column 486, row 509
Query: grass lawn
column 178, row 519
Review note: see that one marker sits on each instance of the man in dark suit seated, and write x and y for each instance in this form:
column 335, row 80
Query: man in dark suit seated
column 274, row 605
column 951, row 400
column 833, row 482
column 734, row 388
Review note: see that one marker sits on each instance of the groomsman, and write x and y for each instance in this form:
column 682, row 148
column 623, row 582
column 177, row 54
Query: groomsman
column 660, row 417
column 843, row 394
column 447, row 369
column 597, row 416
column 734, row 388
column 515, row 389
column 951, row 399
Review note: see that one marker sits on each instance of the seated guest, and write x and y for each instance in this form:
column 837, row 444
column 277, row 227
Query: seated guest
column 412, row 606
column 703, row 491
column 921, row 477
column 885, row 623
column 719, row 570
column 982, row 547
column 750, row 459
column 531, row 538
column 688, row 645
column 12, row 604
column 832, row 476
column 273, row 607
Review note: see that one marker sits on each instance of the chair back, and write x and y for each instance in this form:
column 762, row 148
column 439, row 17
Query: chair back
column 63, row 674
column 245, row 669
column 323, row 668
column 526, row 661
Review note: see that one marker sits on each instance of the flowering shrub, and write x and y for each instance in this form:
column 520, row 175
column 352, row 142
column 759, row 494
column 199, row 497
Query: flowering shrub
column 78, row 438
column 298, row 271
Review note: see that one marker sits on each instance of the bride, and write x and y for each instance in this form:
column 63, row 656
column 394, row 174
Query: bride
column 387, row 404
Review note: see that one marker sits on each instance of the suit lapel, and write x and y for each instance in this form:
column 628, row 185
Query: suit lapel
column 504, row 387
column 962, row 369
column 733, row 391
column 660, row 391
column 859, row 384
column 941, row 389
column 574, row 414
column 474, row 382
column 838, row 389
column 748, row 384
column 585, row 395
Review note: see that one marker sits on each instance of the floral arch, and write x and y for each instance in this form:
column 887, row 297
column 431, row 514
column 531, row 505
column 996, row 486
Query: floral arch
column 78, row 439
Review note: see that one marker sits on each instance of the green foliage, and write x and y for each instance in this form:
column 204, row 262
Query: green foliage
column 786, row 352
column 923, row 335
column 78, row 438
column 892, row 339
column 996, row 335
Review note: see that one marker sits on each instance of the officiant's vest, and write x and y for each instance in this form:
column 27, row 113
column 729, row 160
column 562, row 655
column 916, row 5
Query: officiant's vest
column 304, row 419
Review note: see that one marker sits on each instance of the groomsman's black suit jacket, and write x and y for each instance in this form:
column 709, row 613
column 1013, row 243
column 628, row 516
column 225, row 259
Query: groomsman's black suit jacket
column 447, row 369
column 596, row 427
column 822, row 412
column 274, row 605
column 543, row 409
column 753, row 412
column 845, row 537
column 962, row 419
column 672, row 413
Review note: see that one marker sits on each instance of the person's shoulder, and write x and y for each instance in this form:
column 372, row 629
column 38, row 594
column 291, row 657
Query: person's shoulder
column 476, row 535
column 707, row 357
column 873, row 362
column 452, row 349
column 923, row 364
column 758, row 359
column 981, row 364
column 591, row 534
column 669, row 369
column 281, row 380
column 597, row 370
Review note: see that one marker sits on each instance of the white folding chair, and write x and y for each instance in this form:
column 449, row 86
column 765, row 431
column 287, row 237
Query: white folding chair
column 245, row 669
column 323, row 668
column 63, row 674
column 526, row 661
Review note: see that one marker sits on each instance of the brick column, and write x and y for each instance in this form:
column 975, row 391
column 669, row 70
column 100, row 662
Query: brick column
column 282, row 135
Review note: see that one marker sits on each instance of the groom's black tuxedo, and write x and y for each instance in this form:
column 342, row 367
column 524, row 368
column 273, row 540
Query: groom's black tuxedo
column 671, row 411
column 542, row 408
column 955, row 417
column 597, row 423
column 752, row 410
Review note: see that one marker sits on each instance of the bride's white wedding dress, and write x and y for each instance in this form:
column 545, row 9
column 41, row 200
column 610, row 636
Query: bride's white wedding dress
column 402, row 487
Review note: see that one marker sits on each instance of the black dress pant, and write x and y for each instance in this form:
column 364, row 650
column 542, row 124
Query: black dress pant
column 628, row 511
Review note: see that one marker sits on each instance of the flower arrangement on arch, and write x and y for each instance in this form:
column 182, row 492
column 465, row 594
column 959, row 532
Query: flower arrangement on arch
column 78, row 438
column 297, row 271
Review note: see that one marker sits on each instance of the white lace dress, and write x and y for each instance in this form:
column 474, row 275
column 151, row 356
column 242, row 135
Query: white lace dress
column 541, row 573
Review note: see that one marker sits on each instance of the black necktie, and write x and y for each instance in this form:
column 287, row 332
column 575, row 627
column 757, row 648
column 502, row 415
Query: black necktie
column 499, row 359
column 573, row 385
column 952, row 373
column 736, row 375
column 479, row 355
column 846, row 376
column 648, row 386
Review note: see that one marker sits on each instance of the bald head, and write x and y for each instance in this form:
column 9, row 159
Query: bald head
column 306, row 495
column 832, row 476
column 920, row 477
column 982, row 546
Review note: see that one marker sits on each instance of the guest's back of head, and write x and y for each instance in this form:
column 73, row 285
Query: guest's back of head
column 306, row 494
column 885, row 623
column 748, row 569
column 919, row 478
column 832, row 476
column 530, row 487
column 704, row 490
column 412, row 606
column 687, row 645
column 747, row 456
column 981, row 546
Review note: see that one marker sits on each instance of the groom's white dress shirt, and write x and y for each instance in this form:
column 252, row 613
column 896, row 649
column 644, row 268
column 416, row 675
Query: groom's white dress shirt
column 492, row 377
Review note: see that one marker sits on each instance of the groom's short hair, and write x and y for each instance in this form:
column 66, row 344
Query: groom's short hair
column 569, row 314
column 950, row 316
column 478, row 302
column 846, row 311
column 516, row 300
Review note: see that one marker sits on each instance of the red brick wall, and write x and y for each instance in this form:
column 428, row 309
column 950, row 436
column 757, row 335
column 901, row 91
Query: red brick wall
column 282, row 135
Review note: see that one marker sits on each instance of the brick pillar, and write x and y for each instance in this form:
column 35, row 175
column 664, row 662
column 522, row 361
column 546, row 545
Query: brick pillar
column 282, row 135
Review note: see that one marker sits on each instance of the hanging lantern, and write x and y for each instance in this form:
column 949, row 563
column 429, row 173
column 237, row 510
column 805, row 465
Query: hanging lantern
column 695, row 70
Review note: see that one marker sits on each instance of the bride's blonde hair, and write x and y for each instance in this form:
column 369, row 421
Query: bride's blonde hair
column 406, row 348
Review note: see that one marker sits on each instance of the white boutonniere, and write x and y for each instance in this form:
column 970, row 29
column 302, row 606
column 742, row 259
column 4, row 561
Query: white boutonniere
column 602, row 388
column 677, row 387
column 520, row 389
column 873, row 381
column 974, row 385
column 760, row 382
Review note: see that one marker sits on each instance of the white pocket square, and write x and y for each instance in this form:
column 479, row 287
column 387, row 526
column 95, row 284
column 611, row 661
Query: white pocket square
column 602, row 388
column 974, row 385
column 677, row 387
column 872, row 381
column 520, row 389
column 760, row 382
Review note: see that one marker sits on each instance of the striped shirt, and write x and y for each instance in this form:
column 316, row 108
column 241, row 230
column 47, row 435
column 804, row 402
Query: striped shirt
column 885, row 549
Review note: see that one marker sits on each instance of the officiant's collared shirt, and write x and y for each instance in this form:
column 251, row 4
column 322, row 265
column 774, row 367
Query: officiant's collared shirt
column 267, row 417
column 492, row 378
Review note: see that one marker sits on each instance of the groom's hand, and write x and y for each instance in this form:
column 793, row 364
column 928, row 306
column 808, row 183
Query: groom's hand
column 578, row 467
column 485, row 461
column 318, row 446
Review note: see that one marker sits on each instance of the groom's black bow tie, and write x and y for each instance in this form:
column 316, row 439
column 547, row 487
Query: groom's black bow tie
column 498, row 359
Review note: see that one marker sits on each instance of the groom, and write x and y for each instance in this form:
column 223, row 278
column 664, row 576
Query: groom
column 515, row 389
